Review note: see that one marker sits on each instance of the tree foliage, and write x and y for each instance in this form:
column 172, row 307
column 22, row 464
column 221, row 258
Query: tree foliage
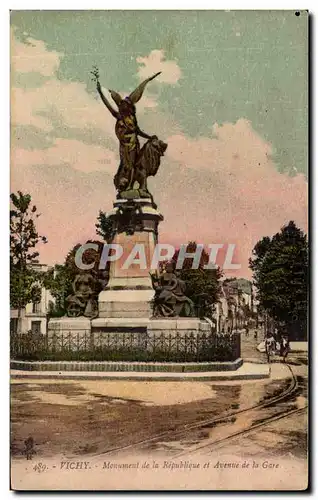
column 105, row 227
column 280, row 269
column 202, row 285
column 60, row 279
column 24, row 237
column 24, row 288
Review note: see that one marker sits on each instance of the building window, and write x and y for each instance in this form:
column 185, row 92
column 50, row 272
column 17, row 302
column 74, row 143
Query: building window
column 36, row 327
column 13, row 325
column 36, row 307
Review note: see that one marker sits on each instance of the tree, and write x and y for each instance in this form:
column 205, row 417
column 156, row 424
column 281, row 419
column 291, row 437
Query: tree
column 60, row 279
column 24, row 238
column 202, row 285
column 105, row 227
column 280, row 269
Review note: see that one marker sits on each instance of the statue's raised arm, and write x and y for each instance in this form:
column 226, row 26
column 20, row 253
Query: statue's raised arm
column 95, row 78
column 105, row 101
column 132, row 159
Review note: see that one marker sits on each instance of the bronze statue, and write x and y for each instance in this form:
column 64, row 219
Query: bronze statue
column 170, row 299
column 133, row 161
column 84, row 301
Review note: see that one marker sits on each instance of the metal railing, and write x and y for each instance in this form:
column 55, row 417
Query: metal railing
column 126, row 346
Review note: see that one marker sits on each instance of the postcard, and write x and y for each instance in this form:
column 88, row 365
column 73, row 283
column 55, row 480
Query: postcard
column 159, row 250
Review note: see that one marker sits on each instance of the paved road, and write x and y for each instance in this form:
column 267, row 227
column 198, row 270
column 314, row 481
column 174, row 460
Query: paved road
column 249, row 344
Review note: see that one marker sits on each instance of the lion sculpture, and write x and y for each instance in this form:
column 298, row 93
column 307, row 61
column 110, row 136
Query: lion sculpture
column 147, row 165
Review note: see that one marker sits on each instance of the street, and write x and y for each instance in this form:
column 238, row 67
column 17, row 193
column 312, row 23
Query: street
column 88, row 417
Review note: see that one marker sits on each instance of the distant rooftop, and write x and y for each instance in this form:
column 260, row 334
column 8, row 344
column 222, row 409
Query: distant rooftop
column 239, row 284
column 37, row 266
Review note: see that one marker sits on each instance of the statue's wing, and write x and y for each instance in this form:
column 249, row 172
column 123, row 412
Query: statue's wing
column 135, row 96
column 116, row 97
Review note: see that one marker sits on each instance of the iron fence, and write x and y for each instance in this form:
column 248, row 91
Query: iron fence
column 129, row 346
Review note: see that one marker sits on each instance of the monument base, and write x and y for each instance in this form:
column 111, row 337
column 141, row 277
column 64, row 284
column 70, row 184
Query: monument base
column 153, row 326
column 131, row 303
column 127, row 332
column 129, row 292
column 156, row 339
column 142, row 324
column 150, row 340
column 72, row 334
column 67, row 325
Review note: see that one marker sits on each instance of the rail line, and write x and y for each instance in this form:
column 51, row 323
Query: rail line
column 220, row 418
column 212, row 445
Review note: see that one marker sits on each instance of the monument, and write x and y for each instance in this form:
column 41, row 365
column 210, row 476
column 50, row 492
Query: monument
column 138, row 303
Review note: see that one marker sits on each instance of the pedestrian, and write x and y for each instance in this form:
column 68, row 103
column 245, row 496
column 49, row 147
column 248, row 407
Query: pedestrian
column 255, row 334
column 284, row 347
column 246, row 331
column 270, row 346
column 29, row 448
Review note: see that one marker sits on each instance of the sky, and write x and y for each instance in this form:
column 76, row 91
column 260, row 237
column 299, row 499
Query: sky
column 231, row 102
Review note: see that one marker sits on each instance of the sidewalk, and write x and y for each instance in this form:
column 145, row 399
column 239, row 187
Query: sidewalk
column 248, row 371
column 294, row 346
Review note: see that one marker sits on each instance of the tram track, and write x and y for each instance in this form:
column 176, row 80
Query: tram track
column 213, row 445
column 178, row 433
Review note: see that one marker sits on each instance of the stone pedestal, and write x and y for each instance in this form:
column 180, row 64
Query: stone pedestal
column 173, row 340
column 66, row 325
column 82, row 333
column 182, row 326
column 125, row 329
column 144, row 333
column 129, row 291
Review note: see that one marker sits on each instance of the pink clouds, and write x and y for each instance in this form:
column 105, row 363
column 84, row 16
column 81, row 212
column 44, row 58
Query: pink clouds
column 84, row 157
column 241, row 163
column 249, row 197
column 231, row 144
column 70, row 101
column 26, row 108
column 68, row 200
column 33, row 56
